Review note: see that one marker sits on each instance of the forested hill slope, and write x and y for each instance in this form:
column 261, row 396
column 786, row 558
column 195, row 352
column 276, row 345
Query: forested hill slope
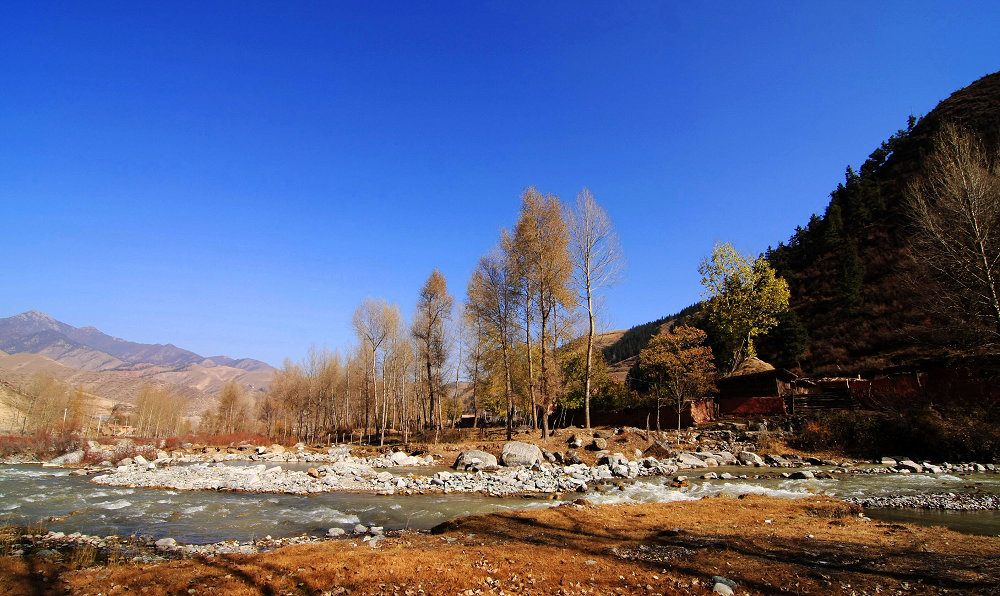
column 855, row 287
column 857, row 300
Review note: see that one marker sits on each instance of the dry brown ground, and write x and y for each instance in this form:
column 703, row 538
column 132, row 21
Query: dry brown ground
column 811, row 546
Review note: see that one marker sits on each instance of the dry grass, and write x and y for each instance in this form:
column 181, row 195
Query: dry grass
column 767, row 546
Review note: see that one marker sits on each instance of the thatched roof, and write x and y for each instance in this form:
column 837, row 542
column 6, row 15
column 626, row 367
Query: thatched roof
column 751, row 366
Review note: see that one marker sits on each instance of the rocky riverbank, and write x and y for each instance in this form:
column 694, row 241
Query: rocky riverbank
column 943, row 502
column 520, row 468
column 358, row 475
column 140, row 549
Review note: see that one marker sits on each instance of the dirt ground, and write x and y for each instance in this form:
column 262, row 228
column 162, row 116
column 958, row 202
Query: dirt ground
column 765, row 545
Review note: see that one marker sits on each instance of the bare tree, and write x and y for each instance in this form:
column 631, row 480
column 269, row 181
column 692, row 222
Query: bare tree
column 231, row 411
column 476, row 338
column 433, row 311
column 371, row 320
column 539, row 253
column 598, row 263
column 492, row 295
column 955, row 212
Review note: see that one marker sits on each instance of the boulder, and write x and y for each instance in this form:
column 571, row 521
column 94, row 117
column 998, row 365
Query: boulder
column 725, row 458
column 802, row 475
column 165, row 543
column 691, row 460
column 517, row 453
column 708, row 458
column 335, row 532
column 476, row 460
column 599, row 444
column 912, row 466
column 277, row 449
column 749, row 458
column 659, row 450
column 777, row 460
column 68, row 459
column 140, row 461
column 398, row 458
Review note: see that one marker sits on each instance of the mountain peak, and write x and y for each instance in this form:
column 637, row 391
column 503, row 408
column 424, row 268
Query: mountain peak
column 34, row 315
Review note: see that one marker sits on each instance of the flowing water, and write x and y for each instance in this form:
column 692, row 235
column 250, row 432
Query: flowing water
column 65, row 503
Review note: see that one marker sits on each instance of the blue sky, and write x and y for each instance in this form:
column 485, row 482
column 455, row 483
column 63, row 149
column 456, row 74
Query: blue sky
column 235, row 177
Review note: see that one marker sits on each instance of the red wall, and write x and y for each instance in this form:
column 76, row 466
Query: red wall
column 751, row 406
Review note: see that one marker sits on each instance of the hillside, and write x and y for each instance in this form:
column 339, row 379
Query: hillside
column 17, row 370
column 115, row 369
column 855, row 290
column 883, row 316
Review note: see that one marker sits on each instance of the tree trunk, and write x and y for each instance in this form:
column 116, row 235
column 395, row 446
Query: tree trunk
column 590, row 356
column 531, row 367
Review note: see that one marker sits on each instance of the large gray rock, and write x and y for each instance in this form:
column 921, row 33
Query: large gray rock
column 68, row 459
column 476, row 460
column 398, row 458
column 691, row 460
column 708, row 458
column 912, row 466
column 725, row 458
column 165, row 543
column 749, row 458
column 517, row 453
column 777, row 460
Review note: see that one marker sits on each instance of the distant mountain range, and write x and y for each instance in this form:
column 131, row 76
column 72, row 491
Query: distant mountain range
column 115, row 368
column 87, row 348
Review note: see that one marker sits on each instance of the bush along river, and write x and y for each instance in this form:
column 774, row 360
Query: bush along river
column 245, row 506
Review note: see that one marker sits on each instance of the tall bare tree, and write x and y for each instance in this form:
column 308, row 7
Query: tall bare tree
column 955, row 212
column 434, row 306
column 476, row 337
column 598, row 263
column 231, row 411
column 372, row 321
column 492, row 295
column 540, row 257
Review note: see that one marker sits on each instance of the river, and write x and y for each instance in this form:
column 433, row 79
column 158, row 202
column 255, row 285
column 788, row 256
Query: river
column 65, row 503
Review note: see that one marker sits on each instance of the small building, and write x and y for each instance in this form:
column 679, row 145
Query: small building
column 755, row 388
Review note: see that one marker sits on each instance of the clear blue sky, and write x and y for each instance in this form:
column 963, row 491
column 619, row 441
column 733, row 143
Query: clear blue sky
column 235, row 177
